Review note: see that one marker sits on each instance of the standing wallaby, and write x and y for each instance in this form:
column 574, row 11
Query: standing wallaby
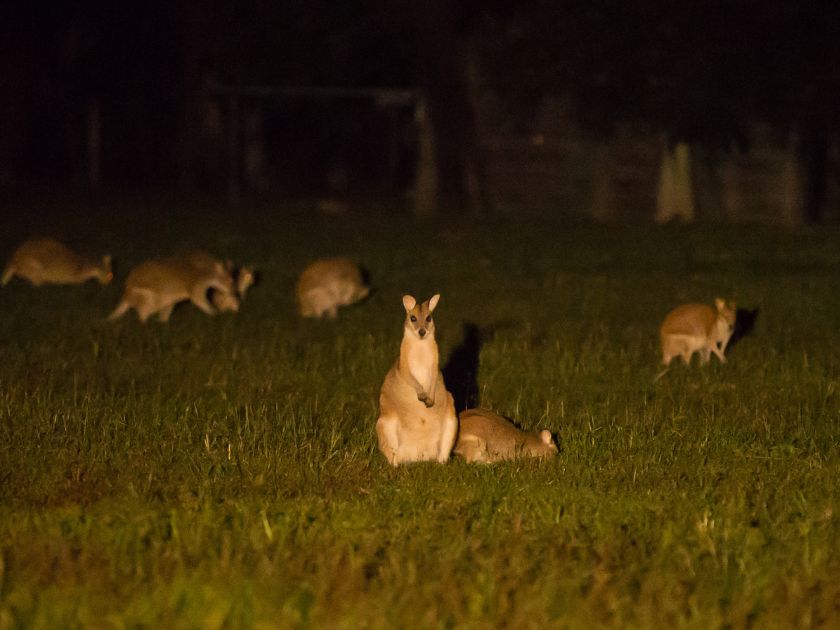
column 486, row 437
column 46, row 260
column 699, row 328
column 327, row 284
column 156, row 286
column 417, row 420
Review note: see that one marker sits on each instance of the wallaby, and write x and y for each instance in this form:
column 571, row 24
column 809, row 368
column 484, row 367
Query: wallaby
column 699, row 328
column 156, row 286
column 243, row 278
column 417, row 420
column 46, row 260
column 486, row 437
column 327, row 284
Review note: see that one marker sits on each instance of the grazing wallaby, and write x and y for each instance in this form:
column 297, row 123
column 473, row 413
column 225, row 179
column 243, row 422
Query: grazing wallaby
column 156, row 286
column 327, row 284
column 417, row 420
column 243, row 279
column 46, row 260
column 699, row 328
column 486, row 437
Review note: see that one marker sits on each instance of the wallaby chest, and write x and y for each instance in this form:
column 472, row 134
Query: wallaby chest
column 420, row 358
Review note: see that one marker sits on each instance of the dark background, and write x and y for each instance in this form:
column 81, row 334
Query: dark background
column 147, row 75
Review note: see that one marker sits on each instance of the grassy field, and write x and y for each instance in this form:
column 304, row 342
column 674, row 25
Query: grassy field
column 222, row 472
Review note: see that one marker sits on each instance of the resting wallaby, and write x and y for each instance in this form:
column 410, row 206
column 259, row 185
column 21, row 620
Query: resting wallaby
column 417, row 420
column 486, row 437
column 327, row 284
column 156, row 286
column 691, row 328
column 46, row 260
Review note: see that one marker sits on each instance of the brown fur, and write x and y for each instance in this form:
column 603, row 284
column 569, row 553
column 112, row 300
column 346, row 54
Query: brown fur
column 243, row 279
column 417, row 419
column 327, row 284
column 156, row 286
column 46, row 260
column 486, row 437
column 691, row 328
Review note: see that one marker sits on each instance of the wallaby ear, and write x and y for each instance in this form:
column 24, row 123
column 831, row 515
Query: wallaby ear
column 106, row 261
column 732, row 305
column 229, row 265
column 720, row 304
column 409, row 302
column 219, row 267
column 545, row 436
column 433, row 301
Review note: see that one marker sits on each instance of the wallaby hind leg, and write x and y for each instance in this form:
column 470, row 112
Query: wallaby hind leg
column 122, row 309
column 670, row 348
column 387, row 433
column 448, row 434
column 145, row 307
column 165, row 312
column 472, row 448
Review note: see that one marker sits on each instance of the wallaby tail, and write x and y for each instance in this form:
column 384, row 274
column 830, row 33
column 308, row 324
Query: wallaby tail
column 7, row 275
column 121, row 310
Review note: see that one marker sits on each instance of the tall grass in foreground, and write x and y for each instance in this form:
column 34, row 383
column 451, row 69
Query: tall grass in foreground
column 222, row 472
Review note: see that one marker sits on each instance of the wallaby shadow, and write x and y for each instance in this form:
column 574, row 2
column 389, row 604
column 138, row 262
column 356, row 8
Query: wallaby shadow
column 461, row 370
column 744, row 324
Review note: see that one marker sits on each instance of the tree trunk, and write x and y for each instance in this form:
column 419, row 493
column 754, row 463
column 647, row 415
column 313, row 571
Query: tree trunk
column 94, row 143
column 426, row 179
column 792, row 206
column 445, row 78
column 731, row 196
column 189, row 128
column 675, row 195
column 814, row 157
column 603, row 193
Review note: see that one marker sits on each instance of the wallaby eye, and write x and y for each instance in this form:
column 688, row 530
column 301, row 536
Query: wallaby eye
column 413, row 318
column 428, row 318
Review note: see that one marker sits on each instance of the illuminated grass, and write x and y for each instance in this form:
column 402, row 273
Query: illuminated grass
column 222, row 472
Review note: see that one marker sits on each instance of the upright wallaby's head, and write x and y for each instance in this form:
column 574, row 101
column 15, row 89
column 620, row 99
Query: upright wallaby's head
column 104, row 273
column 726, row 315
column 418, row 317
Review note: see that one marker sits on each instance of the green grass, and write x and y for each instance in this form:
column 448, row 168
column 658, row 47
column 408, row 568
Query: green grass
column 222, row 472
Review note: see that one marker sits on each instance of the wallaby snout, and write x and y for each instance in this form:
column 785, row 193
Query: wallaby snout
column 422, row 332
